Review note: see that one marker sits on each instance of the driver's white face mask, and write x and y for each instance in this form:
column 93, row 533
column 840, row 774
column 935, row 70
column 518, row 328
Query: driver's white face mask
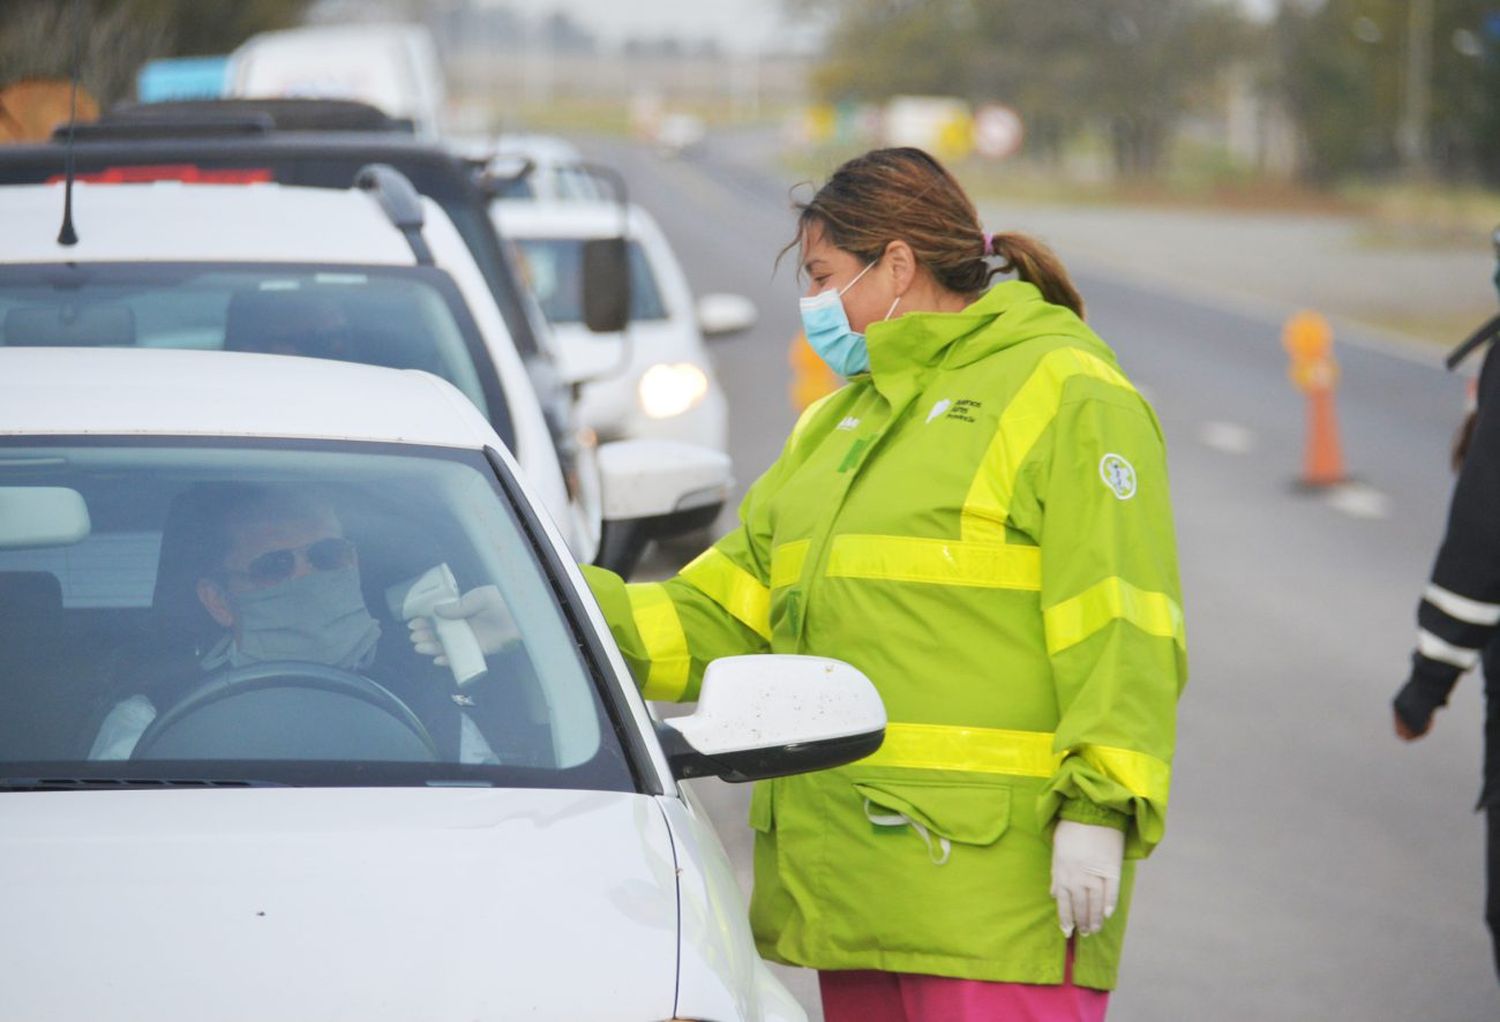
column 318, row 618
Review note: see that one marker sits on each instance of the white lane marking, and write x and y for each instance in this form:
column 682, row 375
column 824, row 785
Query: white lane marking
column 1359, row 501
column 1227, row 437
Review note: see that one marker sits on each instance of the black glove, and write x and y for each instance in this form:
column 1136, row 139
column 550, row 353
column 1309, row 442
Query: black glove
column 1424, row 692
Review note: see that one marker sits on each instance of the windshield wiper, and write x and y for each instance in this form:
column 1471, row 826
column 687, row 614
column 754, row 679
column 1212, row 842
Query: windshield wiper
column 127, row 783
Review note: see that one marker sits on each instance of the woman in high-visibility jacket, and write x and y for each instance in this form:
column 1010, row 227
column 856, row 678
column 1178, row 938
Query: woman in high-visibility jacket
column 979, row 521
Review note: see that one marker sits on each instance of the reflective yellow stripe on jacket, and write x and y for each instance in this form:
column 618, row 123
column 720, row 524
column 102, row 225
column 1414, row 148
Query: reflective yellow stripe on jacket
column 916, row 559
column 1018, row 753
column 1024, row 420
column 974, row 749
column 939, row 561
column 733, row 588
column 786, row 563
column 1113, row 599
column 662, row 635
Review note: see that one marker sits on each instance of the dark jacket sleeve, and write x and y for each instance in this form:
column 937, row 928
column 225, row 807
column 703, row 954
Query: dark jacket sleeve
column 1460, row 609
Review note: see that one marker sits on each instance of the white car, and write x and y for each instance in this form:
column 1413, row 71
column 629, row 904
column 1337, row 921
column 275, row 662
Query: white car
column 679, row 134
column 654, row 380
column 543, row 167
column 347, row 831
column 379, row 276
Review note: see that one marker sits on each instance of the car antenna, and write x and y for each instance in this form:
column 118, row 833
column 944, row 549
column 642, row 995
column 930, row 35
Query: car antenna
column 68, row 236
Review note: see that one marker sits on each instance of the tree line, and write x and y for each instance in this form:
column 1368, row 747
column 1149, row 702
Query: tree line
column 1371, row 87
column 113, row 38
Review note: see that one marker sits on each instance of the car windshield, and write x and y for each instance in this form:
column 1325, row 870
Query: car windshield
column 198, row 613
column 554, row 269
column 398, row 317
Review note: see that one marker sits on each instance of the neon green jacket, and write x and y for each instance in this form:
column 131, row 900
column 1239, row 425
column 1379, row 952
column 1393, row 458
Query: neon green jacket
column 982, row 526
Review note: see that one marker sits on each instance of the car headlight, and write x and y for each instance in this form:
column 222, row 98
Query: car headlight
column 671, row 389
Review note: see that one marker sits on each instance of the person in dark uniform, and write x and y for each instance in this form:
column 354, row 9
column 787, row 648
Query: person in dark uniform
column 1459, row 616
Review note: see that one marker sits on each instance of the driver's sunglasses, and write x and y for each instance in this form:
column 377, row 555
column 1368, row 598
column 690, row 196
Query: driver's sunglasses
column 279, row 565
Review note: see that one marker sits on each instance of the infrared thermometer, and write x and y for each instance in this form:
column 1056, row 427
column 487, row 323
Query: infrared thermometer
column 417, row 597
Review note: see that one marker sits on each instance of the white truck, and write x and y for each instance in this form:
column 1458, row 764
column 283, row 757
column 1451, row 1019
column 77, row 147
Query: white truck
column 392, row 66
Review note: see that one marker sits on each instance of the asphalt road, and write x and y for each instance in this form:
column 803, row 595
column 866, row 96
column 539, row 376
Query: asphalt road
column 1314, row 867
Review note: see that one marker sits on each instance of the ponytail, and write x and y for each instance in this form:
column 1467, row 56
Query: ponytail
column 1036, row 264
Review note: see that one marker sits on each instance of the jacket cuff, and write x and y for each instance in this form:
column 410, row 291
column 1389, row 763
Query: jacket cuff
column 1082, row 811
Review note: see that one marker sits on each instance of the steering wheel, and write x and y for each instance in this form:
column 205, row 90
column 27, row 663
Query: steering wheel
column 289, row 675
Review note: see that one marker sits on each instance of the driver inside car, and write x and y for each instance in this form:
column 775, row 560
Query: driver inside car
column 277, row 575
column 288, row 323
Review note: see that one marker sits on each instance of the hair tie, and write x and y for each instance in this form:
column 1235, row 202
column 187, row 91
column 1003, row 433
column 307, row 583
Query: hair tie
column 989, row 243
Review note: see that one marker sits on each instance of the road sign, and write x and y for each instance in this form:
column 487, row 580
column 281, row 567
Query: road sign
column 998, row 131
column 939, row 124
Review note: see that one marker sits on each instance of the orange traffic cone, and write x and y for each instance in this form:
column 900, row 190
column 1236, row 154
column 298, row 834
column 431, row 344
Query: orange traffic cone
column 1308, row 338
column 811, row 377
column 1323, row 463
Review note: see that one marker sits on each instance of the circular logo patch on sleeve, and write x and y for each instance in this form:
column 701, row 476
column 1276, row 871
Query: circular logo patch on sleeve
column 1118, row 474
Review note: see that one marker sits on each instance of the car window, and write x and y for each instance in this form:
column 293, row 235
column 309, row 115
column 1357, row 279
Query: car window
column 518, row 188
column 399, row 318
column 240, row 613
column 554, row 269
column 577, row 183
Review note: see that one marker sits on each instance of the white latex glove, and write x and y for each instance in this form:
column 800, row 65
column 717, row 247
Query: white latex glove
column 1086, row 861
column 486, row 613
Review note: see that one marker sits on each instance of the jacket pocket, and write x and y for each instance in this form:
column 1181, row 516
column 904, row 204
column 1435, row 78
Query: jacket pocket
column 920, row 872
column 951, row 812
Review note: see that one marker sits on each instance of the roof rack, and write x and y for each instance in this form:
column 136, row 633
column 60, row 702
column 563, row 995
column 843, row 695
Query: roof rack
column 248, row 116
column 399, row 200
column 184, row 127
column 286, row 114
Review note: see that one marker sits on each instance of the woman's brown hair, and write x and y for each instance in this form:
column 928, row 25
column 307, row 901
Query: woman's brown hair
column 904, row 194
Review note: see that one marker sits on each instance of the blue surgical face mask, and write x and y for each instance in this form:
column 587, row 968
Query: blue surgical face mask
column 826, row 324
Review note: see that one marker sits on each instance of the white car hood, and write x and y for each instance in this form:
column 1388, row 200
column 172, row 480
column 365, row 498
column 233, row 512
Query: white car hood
column 321, row 904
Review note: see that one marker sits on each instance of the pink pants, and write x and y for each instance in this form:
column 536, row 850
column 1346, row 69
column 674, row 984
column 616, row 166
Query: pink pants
column 866, row 995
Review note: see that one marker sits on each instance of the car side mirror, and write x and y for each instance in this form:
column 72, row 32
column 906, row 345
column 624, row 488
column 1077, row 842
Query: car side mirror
column 653, row 489
column 606, row 285
column 770, row 715
column 720, row 314
column 505, row 177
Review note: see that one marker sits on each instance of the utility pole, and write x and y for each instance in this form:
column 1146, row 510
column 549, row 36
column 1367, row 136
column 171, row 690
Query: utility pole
column 1412, row 138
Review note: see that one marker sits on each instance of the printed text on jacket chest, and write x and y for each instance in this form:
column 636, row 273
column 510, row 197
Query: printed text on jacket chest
column 959, row 410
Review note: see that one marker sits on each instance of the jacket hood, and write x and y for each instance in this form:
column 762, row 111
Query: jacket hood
column 1005, row 315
